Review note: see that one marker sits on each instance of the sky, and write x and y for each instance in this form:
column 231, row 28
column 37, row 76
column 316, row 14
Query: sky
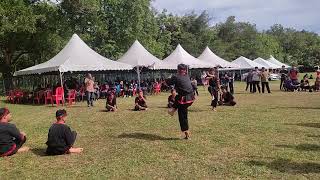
column 298, row 14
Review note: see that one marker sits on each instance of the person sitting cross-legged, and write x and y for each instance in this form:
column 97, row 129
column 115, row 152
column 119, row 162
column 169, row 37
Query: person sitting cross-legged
column 60, row 137
column 227, row 99
column 140, row 102
column 11, row 139
column 111, row 104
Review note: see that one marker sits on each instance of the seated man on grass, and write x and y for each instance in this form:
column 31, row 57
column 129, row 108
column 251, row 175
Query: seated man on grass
column 140, row 102
column 11, row 139
column 172, row 98
column 111, row 104
column 227, row 98
column 60, row 137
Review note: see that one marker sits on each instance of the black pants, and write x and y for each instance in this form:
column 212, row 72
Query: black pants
column 231, row 87
column 265, row 84
column 51, row 151
column 256, row 85
column 215, row 94
column 249, row 85
column 196, row 91
column 281, row 83
column 183, row 116
column 90, row 98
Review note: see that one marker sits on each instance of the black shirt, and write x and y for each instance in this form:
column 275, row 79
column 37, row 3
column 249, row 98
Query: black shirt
column 182, row 84
column 227, row 97
column 283, row 73
column 171, row 99
column 140, row 102
column 60, row 139
column 113, row 101
column 9, row 135
column 214, row 82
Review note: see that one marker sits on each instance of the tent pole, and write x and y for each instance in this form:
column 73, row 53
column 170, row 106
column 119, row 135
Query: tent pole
column 138, row 72
column 61, row 81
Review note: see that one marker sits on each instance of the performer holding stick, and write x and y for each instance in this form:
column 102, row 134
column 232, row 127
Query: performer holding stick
column 184, row 99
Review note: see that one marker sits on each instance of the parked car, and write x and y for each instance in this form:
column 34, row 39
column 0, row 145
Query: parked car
column 274, row 77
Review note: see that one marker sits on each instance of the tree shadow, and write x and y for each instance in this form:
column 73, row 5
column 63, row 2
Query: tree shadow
column 288, row 166
column 144, row 136
column 313, row 125
column 301, row 147
column 313, row 136
column 301, row 107
column 39, row 151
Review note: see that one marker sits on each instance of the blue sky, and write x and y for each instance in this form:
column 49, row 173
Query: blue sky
column 299, row 14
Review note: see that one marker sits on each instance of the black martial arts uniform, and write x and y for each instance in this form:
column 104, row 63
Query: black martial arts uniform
column 171, row 101
column 11, row 140
column 213, row 89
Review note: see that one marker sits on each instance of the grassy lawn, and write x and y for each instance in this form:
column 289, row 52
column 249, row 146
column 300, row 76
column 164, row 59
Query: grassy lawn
column 265, row 136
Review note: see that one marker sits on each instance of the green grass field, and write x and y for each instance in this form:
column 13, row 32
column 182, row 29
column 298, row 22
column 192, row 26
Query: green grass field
column 265, row 136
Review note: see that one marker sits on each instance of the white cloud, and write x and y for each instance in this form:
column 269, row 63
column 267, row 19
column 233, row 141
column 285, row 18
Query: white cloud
column 299, row 14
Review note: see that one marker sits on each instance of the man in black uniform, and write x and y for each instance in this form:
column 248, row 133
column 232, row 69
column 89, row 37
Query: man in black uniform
column 184, row 99
column 283, row 74
column 214, row 87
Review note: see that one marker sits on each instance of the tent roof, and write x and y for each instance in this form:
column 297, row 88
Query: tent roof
column 246, row 63
column 137, row 55
column 75, row 56
column 209, row 57
column 266, row 64
column 275, row 61
column 180, row 56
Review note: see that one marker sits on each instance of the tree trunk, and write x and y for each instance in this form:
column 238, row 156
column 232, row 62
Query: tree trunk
column 7, row 70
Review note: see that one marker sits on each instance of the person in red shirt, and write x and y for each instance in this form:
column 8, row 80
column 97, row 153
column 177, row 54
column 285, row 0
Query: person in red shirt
column 293, row 74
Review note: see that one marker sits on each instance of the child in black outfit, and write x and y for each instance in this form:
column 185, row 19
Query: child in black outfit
column 227, row 98
column 111, row 104
column 11, row 139
column 140, row 102
column 172, row 98
column 60, row 137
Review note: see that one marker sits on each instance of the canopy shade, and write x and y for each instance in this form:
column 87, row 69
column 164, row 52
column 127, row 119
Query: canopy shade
column 246, row 63
column 266, row 64
column 209, row 57
column 138, row 56
column 75, row 56
column 275, row 61
column 180, row 56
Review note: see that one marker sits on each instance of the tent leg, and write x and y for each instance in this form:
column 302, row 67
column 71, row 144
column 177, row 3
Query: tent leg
column 61, row 81
column 139, row 80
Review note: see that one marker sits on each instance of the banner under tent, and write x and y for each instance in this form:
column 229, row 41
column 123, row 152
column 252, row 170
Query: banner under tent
column 266, row 64
column 178, row 56
column 275, row 61
column 209, row 57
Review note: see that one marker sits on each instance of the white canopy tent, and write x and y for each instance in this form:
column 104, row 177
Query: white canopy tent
column 75, row 56
column 245, row 63
column 138, row 57
column 266, row 64
column 180, row 56
column 209, row 57
column 275, row 61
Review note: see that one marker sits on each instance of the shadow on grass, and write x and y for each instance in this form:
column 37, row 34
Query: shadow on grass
column 295, row 107
column 313, row 136
column 287, row 166
column 39, row 151
column 144, row 136
column 301, row 147
column 314, row 125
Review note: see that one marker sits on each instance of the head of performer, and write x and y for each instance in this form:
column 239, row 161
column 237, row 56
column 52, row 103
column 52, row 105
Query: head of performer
column 256, row 69
column 224, row 89
column 61, row 115
column 211, row 71
column 283, row 67
column 5, row 115
column 140, row 93
column 263, row 69
column 89, row 76
column 182, row 69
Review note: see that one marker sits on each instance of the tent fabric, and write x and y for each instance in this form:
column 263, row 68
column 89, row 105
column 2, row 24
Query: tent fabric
column 180, row 56
column 138, row 56
column 275, row 61
column 209, row 57
column 266, row 64
column 246, row 63
column 75, row 56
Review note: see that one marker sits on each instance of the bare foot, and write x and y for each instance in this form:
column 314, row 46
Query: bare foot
column 75, row 150
column 171, row 111
column 23, row 149
column 214, row 109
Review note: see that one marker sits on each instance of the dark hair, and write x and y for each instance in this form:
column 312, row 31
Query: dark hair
column 61, row 113
column 4, row 112
column 173, row 90
column 182, row 67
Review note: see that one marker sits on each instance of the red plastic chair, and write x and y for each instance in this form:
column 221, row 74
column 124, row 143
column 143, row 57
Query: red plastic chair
column 18, row 95
column 38, row 97
column 157, row 88
column 59, row 96
column 48, row 96
column 71, row 97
